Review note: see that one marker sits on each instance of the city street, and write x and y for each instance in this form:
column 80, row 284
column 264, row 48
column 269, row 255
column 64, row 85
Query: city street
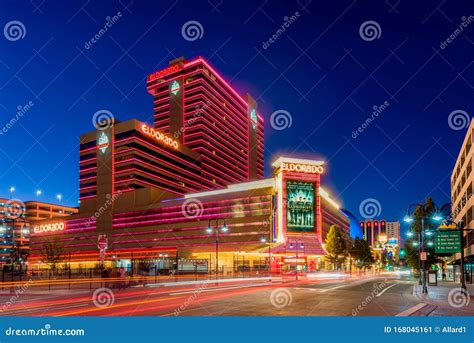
column 324, row 295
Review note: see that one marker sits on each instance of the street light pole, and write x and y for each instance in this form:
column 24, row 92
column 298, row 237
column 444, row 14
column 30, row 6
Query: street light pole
column 423, row 261
column 264, row 240
column 421, row 245
column 300, row 243
column 216, row 232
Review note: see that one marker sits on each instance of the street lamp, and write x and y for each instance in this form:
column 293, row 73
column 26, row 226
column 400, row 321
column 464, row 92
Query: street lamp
column 421, row 238
column 59, row 197
column 296, row 244
column 38, row 193
column 267, row 242
column 12, row 189
column 215, row 230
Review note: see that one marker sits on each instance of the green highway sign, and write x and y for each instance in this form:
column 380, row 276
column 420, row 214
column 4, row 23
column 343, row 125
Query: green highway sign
column 447, row 242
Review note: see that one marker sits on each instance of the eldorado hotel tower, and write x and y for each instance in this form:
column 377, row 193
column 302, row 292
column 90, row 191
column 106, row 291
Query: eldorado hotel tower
column 153, row 191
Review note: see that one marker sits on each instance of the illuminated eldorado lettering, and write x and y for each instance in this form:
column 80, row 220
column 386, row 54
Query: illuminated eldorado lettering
column 149, row 131
column 49, row 227
column 164, row 72
column 302, row 168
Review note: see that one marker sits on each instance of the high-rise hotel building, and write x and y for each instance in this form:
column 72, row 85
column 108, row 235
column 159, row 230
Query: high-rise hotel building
column 152, row 189
column 462, row 201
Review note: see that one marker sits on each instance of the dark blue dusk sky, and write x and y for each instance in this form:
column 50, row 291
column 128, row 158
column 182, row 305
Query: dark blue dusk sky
column 320, row 70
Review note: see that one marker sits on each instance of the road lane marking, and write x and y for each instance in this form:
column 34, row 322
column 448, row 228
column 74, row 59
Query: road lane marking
column 411, row 310
column 196, row 282
column 34, row 311
column 386, row 289
column 330, row 289
column 218, row 289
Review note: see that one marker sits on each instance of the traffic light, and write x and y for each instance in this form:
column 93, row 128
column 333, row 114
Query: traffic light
column 402, row 253
column 383, row 226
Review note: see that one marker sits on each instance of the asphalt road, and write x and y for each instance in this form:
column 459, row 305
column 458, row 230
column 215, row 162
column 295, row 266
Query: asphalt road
column 383, row 295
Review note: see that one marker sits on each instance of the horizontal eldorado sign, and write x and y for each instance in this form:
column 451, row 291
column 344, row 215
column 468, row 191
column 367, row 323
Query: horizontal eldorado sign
column 302, row 168
column 163, row 72
column 159, row 136
column 51, row 227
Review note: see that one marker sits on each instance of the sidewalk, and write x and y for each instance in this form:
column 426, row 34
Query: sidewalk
column 445, row 299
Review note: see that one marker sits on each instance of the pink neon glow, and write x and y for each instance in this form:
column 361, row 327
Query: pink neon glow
column 156, row 147
column 153, row 177
column 207, row 88
column 210, row 92
column 260, row 199
column 201, row 60
column 144, row 183
column 229, row 153
column 184, row 171
column 184, row 219
column 166, row 172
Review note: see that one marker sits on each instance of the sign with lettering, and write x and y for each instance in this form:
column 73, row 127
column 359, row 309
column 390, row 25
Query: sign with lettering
column 253, row 118
column 448, row 242
column 103, row 142
column 162, row 73
column 302, row 168
column 51, row 227
column 159, row 136
column 175, row 87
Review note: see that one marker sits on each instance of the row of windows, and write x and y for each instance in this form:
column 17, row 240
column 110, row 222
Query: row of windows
column 463, row 156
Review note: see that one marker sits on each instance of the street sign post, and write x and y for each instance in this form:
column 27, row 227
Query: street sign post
column 447, row 242
column 448, row 226
column 423, row 256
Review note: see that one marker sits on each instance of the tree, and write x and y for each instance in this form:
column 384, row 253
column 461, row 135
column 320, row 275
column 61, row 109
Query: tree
column 363, row 254
column 145, row 265
column 411, row 254
column 52, row 254
column 335, row 246
column 19, row 254
column 412, row 244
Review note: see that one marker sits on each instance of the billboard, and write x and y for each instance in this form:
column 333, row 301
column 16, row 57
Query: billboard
column 300, row 206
